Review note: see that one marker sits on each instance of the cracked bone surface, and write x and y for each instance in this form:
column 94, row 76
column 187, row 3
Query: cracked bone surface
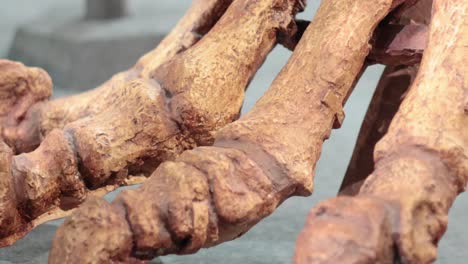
column 213, row 194
column 421, row 165
column 147, row 120
column 38, row 117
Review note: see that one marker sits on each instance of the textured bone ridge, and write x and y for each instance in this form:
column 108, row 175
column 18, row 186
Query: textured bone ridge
column 421, row 165
column 169, row 117
column 148, row 117
column 213, row 194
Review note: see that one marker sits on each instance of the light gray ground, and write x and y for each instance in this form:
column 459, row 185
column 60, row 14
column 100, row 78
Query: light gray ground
column 272, row 240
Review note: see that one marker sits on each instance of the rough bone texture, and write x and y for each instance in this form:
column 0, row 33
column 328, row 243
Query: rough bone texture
column 150, row 119
column 21, row 87
column 213, row 194
column 333, row 230
column 41, row 118
column 421, row 164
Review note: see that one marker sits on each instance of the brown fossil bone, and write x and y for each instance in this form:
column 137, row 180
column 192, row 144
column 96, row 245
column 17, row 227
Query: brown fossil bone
column 20, row 87
column 392, row 86
column 212, row 194
column 27, row 126
column 146, row 119
column 421, row 165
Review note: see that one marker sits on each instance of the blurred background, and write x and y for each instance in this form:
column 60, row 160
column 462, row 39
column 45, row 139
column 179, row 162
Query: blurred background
column 81, row 43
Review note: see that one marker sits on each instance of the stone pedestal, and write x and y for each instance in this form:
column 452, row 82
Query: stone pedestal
column 106, row 9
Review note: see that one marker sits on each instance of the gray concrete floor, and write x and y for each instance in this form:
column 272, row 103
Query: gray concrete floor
column 272, row 240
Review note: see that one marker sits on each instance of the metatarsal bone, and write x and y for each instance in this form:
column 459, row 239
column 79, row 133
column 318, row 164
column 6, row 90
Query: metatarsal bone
column 421, row 163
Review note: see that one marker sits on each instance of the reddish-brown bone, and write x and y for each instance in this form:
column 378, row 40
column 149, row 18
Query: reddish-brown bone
column 39, row 117
column 213, row 194
column 421, row 163
column 149, row 120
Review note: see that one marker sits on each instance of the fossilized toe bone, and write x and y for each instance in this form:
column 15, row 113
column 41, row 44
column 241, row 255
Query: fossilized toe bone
column 421, row 165
column 26, row 133
column 20, row 88
column 148, row 120
column 213, row 194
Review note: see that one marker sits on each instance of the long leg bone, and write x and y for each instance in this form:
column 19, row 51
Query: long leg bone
column 213, row 194
column 25, row 129
column 150, row 119
column 421, row 165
